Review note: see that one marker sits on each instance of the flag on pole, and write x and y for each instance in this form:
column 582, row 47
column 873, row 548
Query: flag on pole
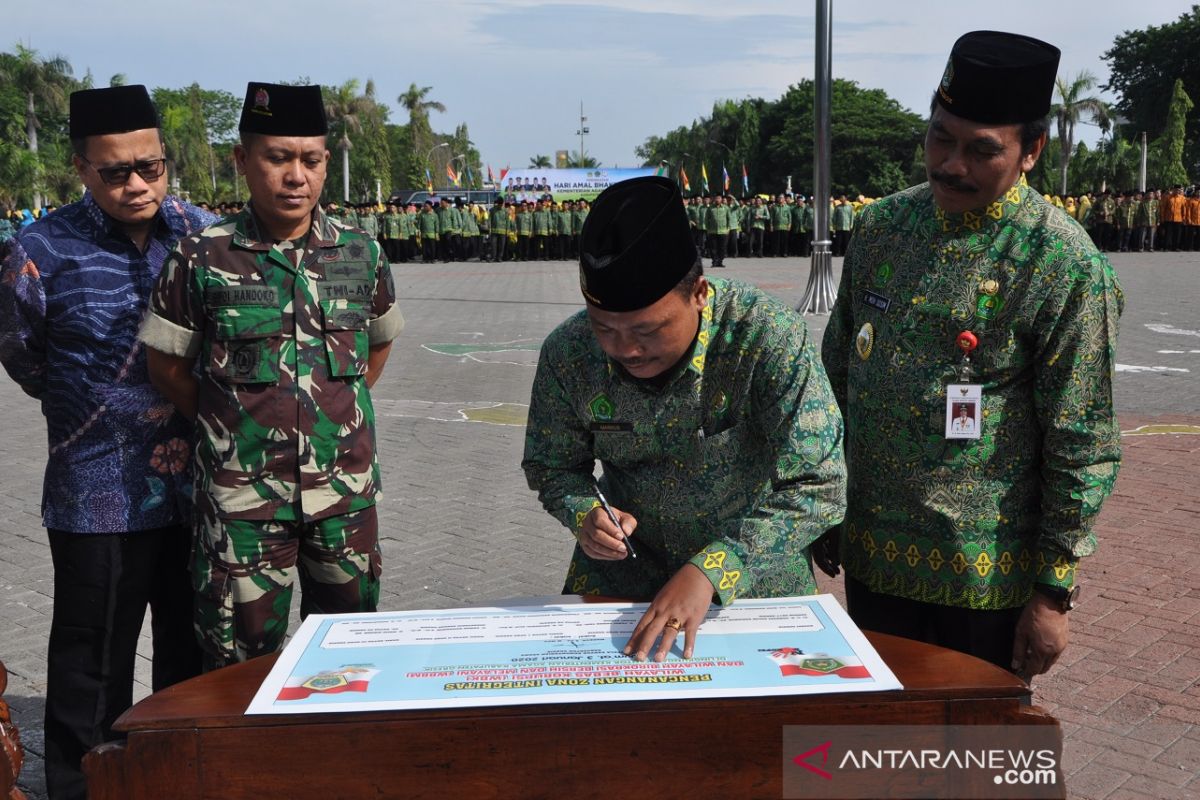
column 470, row 180
column 662, row 170
column 687, row 187
column 745, row 181
column 428, row 181
column 724, row 176
column 451, row 174
column 704, row 177
column 491, row 178
column 503, row 172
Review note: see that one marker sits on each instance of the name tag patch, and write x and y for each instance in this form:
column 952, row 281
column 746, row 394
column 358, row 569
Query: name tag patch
column 611, row 427
column 876, row 301
column 216, row 296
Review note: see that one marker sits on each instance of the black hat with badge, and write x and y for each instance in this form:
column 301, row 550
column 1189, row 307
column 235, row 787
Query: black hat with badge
column 273, row 109
column 999, row 78
column 636, row 244
column 115, row 109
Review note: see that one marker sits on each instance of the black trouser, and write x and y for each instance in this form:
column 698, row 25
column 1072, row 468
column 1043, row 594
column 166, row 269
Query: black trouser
column 841, row 239
column 540, row 248
column 1123, row 236
column 716, row 248
column 102, row 585
column 428, row 249
column 800, row 243
column 499, row 246
column 781, row 238
column 731, row 244
column 984, row 634
column 756, row 242
column 523, row 247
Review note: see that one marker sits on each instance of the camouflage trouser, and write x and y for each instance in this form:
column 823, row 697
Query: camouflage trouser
column 244, row 570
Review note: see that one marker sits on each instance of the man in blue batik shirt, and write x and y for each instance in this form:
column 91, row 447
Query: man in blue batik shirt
column 115, row 501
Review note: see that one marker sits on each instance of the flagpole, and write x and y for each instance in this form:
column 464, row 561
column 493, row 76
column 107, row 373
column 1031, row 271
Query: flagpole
column 821, row 291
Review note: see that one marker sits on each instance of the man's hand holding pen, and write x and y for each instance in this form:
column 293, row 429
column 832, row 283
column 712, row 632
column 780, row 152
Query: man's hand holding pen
column 601, row 539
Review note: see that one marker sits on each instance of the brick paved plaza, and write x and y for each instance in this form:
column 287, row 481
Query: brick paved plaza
column 460, row 527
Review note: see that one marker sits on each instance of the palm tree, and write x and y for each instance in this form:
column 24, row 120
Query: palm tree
column 582, row 162
column 1066, row 113
column 344, row 107
column 539, row 162
column 44, row 83
column 418, row 108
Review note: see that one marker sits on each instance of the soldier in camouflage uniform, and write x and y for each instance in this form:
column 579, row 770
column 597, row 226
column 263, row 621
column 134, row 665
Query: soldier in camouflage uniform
column 292, row 317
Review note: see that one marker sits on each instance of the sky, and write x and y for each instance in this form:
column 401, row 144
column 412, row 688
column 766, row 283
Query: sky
column 516, row 71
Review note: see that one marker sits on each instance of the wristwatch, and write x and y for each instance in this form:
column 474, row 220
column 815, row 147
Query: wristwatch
column 1067, row 599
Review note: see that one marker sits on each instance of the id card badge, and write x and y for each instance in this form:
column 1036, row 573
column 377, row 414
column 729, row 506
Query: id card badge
column 964, row 410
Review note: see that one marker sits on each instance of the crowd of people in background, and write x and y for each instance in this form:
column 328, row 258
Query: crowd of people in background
column 1138, row 222
column 523, row 228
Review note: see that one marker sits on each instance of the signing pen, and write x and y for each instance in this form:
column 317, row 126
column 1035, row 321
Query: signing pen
column 612, row 516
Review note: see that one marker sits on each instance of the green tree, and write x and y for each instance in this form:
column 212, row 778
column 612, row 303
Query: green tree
column 1144, row 65
column 574, row 161
column 1073, row 103
column 43, row 84
column 1168, row 168
column 873, row 140
column 421, row 139
column 539, row 162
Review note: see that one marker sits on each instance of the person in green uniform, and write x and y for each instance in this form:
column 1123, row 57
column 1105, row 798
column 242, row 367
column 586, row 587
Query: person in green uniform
column 288, row 319
column 408, row 233
column 760, row 220
column 578, row 217
column 735, row 226
column 430, row 232
column 470, row 232
column 717, row 225
column 973, row 288
column 524, row 224
column 499, row 222
column 841, row 223
column 781, row 226
column 541, row 230
column 706, row 405
column 391, row 233
column 563, row 223
column 801, row 225
column 448, row 231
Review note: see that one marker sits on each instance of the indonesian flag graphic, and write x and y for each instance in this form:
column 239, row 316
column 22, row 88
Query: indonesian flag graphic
column 349, row 678
column 794, row 662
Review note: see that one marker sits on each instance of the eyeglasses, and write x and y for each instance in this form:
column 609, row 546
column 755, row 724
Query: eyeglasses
column 150, row 170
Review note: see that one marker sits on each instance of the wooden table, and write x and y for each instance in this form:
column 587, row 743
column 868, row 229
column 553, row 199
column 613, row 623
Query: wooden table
column 193, row 740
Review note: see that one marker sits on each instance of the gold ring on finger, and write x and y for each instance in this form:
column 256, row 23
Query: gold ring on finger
column 674, row 624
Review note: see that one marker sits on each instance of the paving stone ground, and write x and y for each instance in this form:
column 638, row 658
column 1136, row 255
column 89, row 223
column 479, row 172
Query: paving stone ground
column 460, row 527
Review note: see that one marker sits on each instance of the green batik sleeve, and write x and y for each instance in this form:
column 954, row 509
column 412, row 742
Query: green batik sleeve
column 766, row 553
column 558, row 461
column 1081, row 443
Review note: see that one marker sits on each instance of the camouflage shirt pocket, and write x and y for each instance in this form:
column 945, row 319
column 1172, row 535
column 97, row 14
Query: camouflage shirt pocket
column 245, row 344
column 346, row 343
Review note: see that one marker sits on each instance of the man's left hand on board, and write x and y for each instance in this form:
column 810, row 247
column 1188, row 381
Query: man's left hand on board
column 682, row 602
column 1041, row 636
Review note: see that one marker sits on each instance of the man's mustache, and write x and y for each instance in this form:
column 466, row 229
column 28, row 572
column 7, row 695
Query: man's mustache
column 951, row 182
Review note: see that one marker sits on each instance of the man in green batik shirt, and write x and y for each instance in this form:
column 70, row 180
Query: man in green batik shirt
column 290, row 318
column 430, row 227
column 708, row 409
column 974, row 543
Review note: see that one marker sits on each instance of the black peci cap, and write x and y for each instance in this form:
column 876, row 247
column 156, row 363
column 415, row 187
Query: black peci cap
column 999, row 78
column 635, row 245
column 116, row 109
column 277, row 110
